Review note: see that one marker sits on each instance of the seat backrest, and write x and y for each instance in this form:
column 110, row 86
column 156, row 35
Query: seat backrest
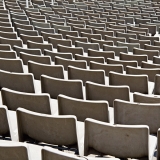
column 40, row 59
column 108, row 93
column 31, row 51
column 149, row 53
column 48, row 153
column 144, row 98
column 129, row 113
column 97, row 76
column 14, row 151
column 38, row 69
column 83, row 109
column 52, row 131
column 40, row 46
column 55, row 86
column 86, row 46
column 151, row 72
column 108, row 135
column 116, row 49
column 68, row 62
column 53, row 54
column 66, row 49
column 17, row 81
column 4, row 122
column 34, row 102
column 137, row 83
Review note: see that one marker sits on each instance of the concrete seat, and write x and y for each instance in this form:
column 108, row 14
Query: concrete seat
column 55, row 86
column 97, row 76
column 137, row 83
column 36, row 58
column 68, row 62
column 83, row 109
column 137, row 135
column 29, row 124
column 34, row 102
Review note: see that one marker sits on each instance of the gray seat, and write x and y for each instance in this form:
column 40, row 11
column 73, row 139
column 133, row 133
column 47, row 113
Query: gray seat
column 137, row 135
column 34, row 102
column 130, row 46
column 27, row 50
column 55, row 86
column 83, row 109
column 89, row 58
column 67, row 62
column 97, row 76
column 53, row 54
column 144, row 98
column 49, row 153
column 138, row 58
column 108, row 93
column 87, row 46
column 105, row 54
column 129, row 113
column 123, row 62
column 73, row 50
column 14, row 151
column 106, row 67
column 36, row 58
column 137, row 83
column 40, row 46
column 116, row 49
column 38, row 69
column 149, row 53
column 17, row 81
column 11, row 65
column 151, row 72
column 52, row 132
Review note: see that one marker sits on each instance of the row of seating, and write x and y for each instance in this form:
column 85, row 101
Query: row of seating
column 80, row 77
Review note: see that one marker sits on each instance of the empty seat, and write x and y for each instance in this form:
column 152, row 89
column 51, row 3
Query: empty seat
column 83, row 109
column 56, row 27
column 138, row 58
column 89, row 58
column 73, row 39
column 149, row 53
column 27, row 32
column 152, row 39
column 14, row 151
column 116, row 49
column 56, row 41
column 144, row 98
column 64, row 33
column 129, row 113
column 66, row 49
column 17, row 81
column 40, row 46
column 105, row 54
column 27, row 120
column 55, row 86
column 53, row 54
column 126, row 35
column 137, row 83
column 130, row 46
column 137, row 135
column 87, row 46
column 27, row 50
column 10, row 35
column 11, row 65
column 33, row 102
column 68, row 62
column 8, row 54
column 46, row 35
column 97, row 76
column 109, row 93
column 25, row 38
column 49, row 153
column 40, row 59
column 11, row 42
column 38, row 69
column 152, row 28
